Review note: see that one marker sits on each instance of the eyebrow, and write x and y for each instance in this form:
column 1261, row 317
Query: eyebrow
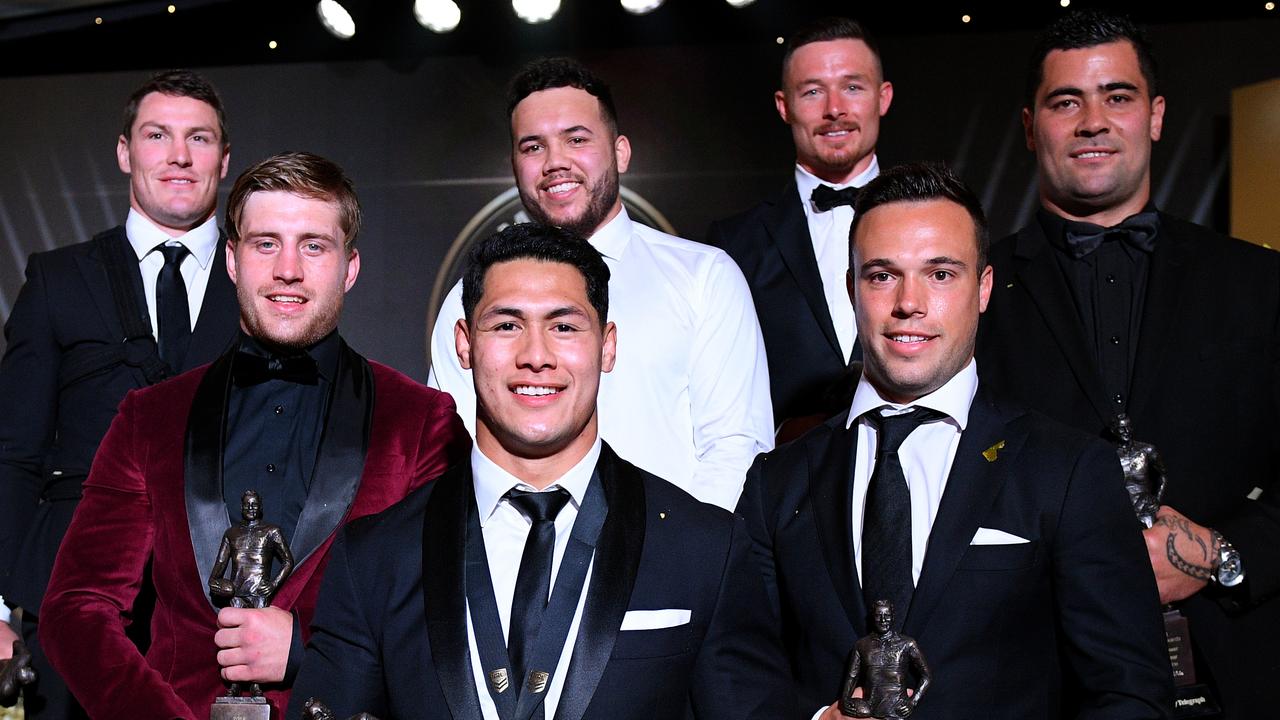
column 931, row 262
column 567, row 131
column 276, row 236
column 842, row 78
column 519, row 314
column 1073, row 91
column 168, row 128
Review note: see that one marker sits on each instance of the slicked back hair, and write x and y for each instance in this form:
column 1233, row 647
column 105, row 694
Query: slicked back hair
column 303, row 174
column 919, row 182
column 558, row 72
column 544, row 243
column 824, row 30
column 1085, row 29
column 177, row 83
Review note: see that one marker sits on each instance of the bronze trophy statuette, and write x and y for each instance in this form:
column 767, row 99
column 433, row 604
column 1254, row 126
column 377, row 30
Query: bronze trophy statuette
column 247, row 549
column 314, row 709
column 880, row 664
column 15, row 673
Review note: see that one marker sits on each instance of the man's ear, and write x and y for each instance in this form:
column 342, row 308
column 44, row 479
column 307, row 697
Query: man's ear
column 609, row 349
column 462, row 343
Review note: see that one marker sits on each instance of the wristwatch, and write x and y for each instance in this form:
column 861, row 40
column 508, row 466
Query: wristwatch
column 1228, row 571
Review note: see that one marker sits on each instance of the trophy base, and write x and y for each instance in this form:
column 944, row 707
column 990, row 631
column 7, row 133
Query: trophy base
column 240, row 708
column 1195, row 701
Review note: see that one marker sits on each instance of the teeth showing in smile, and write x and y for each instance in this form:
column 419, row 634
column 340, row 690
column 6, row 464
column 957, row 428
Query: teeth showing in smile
column 285, row 299
column 835, row 133
column 1093, row 155
column 563, row 187
column 908, row 338
column 534, row 391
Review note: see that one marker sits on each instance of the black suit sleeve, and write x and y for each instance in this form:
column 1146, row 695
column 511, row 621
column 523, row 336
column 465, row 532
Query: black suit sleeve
column 753, row 507
column 1108, row 607
column 342, row 664
column 29, row 386
column 741, row 670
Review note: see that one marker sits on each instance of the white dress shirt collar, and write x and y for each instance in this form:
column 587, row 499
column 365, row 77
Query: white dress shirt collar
column 611, row 240
column 144, row 236
column 807, row 181
column 954, row 398
column 492, row 482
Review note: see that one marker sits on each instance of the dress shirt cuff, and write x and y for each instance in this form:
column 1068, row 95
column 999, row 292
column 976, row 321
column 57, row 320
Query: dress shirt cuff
column 296, row 651
column 819, row 713
column 5, row 613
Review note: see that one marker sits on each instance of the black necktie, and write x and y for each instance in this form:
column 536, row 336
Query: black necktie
column 251, row 369
column 173, row 316
column 825, row 197
column 533, row 582
column 1137, row 230
column 886, row 520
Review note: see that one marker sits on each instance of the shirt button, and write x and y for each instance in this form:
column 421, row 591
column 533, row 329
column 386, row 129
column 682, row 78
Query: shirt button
column 1115, row 339
column 1118, row 398
column 272, row 468
column 1111, row 279
column 279, row 410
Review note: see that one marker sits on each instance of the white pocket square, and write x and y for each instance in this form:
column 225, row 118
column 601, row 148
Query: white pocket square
column 991, row 536
column 654, row 619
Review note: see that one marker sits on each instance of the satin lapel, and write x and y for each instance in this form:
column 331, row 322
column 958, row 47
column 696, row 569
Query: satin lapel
column 972, row 487
column 1163, row 310
column 93, row 272
column 340, row 463
column 216, row 325
column 830, row 495
column 789, row 232
column 444, row 526
column 1038, row 275
column 613, row 575
column 207, row 517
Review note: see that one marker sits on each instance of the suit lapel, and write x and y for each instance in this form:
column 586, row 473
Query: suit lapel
column 830, row 493
column 93, row 271
column 207, row 517
column 972, row 487
column 789, row 232
column 613, row 575
column 1038, row 274
column 343, row 447
column 216, row 325
column 444, row 527
column 1163, row 310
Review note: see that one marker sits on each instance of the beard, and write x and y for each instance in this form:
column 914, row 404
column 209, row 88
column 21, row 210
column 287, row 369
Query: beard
column 283, row 335
column 601, row 200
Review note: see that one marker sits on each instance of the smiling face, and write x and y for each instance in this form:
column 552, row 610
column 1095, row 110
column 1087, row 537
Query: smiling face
column 290, row 268
column 174, row 157
column 1091, row 129
column 566, row 160
column 833, row 97
column 251, row 507
column 917, row 293
column 536, row 349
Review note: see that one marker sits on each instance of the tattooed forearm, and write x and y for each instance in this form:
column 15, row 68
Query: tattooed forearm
column 1200, row 568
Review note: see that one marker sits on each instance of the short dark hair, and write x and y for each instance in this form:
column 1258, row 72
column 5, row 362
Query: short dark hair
column 534, row 241
column 824, row 30
column 1085, row 29
column 558, row 72
column 301, row 173
column 177, row 83
column 917, row 182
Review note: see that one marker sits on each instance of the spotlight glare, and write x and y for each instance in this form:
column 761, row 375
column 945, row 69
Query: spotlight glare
column 1064, row 3
column 1270, row 6
column 965, row 18
column 97, row 21
column 172, row 9
column 640, row 7
column 272, row 45
column 336, row 19
column 535, row 11
column 437, row 15
column 739, row 3
column 779, row 39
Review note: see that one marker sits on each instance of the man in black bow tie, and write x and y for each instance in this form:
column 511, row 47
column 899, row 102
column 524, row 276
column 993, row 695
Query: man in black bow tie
column 1103, row 305
column 321, row 434
column 793, row 250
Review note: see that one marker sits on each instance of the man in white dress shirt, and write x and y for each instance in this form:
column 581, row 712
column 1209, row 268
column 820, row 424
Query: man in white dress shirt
column 688, row 399
column 546, row 577
column 793, row 249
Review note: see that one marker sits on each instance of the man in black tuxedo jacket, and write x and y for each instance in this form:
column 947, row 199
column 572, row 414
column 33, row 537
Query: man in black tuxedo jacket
column 66, row 367
column 1104, row 305
column 432, row 609
column 793, row 249
column 1004, row 540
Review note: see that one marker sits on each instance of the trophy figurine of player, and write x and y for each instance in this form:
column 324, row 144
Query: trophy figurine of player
column 879, row 664
column 315, row 709
column 1144, row 475
column 247, row 550
column 15, row 673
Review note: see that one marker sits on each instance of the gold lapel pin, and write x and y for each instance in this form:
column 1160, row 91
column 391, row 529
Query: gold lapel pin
column 992, row 452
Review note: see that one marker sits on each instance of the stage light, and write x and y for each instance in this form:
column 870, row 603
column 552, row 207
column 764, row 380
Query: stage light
column 336, row 19
column 739, row 3
column 437, row 15
column 640, row 7
column 273, row 45
column 1064, row 3
column 965, row 18
column 535, row 11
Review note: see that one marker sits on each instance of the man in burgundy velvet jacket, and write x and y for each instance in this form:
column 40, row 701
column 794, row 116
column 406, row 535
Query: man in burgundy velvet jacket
column 323, row 435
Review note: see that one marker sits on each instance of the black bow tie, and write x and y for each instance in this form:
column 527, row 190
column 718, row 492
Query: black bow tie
column 250, row 369
column 825, row 197
column 1137, row 230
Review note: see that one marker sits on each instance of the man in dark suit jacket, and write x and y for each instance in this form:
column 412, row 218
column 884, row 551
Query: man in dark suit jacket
column 320, row 433
column 793, row 250
column 1105, row 306
column 656, row 609
column 1005, row 540
column 66, row 367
